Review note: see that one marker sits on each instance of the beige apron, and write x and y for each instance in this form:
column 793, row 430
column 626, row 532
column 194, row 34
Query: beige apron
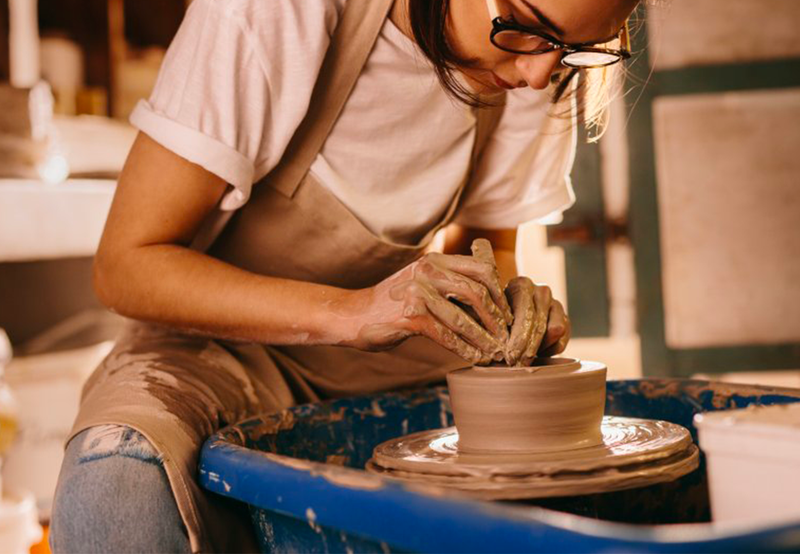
column 177, row 389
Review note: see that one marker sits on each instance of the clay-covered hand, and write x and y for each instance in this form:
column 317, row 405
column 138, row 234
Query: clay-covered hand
column 541, row 326
column 417, row 301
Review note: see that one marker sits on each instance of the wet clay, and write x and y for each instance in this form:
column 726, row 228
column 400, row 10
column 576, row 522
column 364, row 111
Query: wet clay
column 556, row 405
column 625, row 441
column 459, row 303
column 533, row 432
column 418, row 300
column 531, row 307
column 632, row 453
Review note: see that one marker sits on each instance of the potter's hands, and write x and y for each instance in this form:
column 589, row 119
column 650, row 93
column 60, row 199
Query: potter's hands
column 540, row 328
column 417, row 301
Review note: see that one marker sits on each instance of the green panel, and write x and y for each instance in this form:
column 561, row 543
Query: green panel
column 739, row 358
column 645, row 237
column 720, row 78
column 587, row 290
column 582, row 236
column 657, row 358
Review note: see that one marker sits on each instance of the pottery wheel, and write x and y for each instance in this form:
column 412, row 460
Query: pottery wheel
column 634, row 453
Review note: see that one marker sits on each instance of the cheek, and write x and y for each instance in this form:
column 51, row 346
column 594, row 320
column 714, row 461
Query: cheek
column 482, row 53
column 469, row 29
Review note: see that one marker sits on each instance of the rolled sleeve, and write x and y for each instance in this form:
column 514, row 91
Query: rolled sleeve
column 199, row 148
column 231, row 91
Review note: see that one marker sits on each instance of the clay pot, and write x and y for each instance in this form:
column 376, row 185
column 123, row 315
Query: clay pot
column 556, row 405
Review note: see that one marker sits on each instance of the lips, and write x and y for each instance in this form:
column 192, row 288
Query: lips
column 501, row 83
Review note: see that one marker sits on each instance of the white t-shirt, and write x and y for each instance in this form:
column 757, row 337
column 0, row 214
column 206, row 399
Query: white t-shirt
column 237, row 82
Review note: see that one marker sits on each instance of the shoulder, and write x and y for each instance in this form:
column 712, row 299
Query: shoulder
column 269, row 15
column 284, row 36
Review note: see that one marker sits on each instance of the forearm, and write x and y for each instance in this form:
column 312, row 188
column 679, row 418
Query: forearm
column 181, row 288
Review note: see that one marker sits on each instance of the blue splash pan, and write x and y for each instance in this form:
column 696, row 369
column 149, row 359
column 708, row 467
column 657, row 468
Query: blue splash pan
column 301, row 473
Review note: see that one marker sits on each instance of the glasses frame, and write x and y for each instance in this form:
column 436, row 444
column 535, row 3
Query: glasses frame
column 500, row 25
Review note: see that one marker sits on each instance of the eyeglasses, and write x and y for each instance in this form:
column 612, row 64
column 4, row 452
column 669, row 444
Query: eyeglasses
column 512, row 37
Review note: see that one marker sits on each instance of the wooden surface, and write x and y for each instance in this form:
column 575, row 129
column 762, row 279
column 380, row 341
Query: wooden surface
column 4, row 62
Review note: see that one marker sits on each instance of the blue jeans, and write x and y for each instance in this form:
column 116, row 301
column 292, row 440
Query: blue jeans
column 113, row 496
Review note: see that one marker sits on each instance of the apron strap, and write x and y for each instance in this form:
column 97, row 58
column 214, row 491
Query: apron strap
column 350, row 48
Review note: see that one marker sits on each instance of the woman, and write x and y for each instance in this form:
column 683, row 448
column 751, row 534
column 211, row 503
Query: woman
column 314, row 282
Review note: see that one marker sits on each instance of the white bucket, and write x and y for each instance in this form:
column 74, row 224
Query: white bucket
column 47, row 388
column 753, row 459
column 19, row 526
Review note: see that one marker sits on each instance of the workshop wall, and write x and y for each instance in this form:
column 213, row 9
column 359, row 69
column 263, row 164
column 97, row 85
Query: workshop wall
column 727, row 178
column 728, row 201
column 687, row 33
column 714, row 140
column 718, row 233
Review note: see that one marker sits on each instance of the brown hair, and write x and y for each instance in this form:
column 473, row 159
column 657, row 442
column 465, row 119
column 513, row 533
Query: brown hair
column 429, row 24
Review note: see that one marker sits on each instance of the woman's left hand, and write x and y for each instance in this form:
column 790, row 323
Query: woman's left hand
column 541, row 326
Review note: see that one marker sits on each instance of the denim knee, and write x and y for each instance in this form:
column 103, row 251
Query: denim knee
column 113, row 496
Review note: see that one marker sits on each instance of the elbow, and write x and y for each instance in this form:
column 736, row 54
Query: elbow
column 105, row 282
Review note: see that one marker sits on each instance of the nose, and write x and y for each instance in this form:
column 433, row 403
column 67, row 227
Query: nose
column 536, row 70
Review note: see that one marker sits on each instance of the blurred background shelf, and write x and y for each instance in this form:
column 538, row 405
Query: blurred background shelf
column 40, row 222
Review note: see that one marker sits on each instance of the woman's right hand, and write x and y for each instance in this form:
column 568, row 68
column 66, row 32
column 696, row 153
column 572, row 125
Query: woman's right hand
column 417, row 301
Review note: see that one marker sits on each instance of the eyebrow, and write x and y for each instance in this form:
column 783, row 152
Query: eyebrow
column 543, row 19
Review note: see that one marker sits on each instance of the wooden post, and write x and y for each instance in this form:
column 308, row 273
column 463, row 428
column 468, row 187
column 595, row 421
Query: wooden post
column 4, row 62
column 117, row 50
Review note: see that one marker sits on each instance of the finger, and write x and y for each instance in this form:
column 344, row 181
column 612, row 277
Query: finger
column 440, row 334
column 452, row 285
column 560, row 345
column 482, row 250
column 455, row 319
column 418, row 320
column 477, row 270
column 556, row 325
column 520, row 294
column 464, row 326
column 542, row 298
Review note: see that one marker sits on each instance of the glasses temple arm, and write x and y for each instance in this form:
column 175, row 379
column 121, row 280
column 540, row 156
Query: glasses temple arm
column 494, row 11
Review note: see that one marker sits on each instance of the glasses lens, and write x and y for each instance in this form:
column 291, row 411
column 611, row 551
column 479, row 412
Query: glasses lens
column 523, row 43
column 590, row 59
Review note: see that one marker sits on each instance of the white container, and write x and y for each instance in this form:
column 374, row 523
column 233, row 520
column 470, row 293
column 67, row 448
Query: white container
column 47, row 388
column 753, row 458
column 19, row 526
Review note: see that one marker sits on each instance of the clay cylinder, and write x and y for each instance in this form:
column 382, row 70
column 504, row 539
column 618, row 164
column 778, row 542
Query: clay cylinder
column 556, row 405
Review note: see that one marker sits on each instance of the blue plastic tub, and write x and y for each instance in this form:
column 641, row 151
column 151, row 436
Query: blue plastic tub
column 300, row 471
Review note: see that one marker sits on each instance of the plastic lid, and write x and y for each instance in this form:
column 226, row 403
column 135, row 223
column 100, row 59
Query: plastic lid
column 783, row 417
column 19, row 525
